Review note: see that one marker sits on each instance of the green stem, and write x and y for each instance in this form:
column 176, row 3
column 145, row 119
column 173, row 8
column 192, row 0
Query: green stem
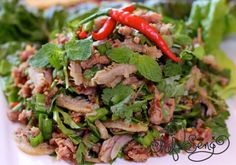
column 92, row 17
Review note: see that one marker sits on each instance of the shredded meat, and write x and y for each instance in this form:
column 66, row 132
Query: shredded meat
column 193, row 135
column 64, row 148
column 60, row 39
column 194, row 79
column 25, row 90
column 76, row 117
column 133, row 81
column 109, row 74
column 105, row 151
column 138, row 127
column 152, row 51
column 28, row 52
column 19, row 77
column 24, row 115
column 125, row 30
column 156, row 111
column 41, row 79
column 85, row 90
column 151, row 17
column 136, row 152
column 75, row 104
column 210, row 60
column 161, row 147
column 13, row 115
column 76, row 72
column 94, row 60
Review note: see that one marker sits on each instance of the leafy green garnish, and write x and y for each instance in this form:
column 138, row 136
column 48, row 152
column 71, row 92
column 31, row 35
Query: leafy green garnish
column 218, row 125
column 88, row 74
column 45, row 125
column 116, row 94
column 80, row 152
column 182, row 39
column 120, row 55
column 102, row 49
column 35, row 141
column 175, row 125
column 147, row 140
column 79, row 49
column 172, row 69
column 171, row 87
column 147, row 67
column 5, row 67
column 100, row 113
column 49, row 53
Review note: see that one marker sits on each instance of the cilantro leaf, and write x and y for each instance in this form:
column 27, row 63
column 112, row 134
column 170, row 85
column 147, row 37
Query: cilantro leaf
column 125, row 111
column 218, row 125
column 116, row 94
column 171, row 88
column 49, row 53
column 120, row 55
column 147, row 67
column 172, row 69
column 79, row 49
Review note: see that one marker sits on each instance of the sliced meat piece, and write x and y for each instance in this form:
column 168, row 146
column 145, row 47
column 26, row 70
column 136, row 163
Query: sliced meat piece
column 133, row 81
column 156, row 114
column 94, row 60
column 125, row 30
column 102, row 129
column 151, row 51
column 193, row 81
column 40, row 78
column 28, row 52
column 109, row 74
column 136, row 152
column 137, row 127
column 105, row 151
column 76, row 72
column 75, row 104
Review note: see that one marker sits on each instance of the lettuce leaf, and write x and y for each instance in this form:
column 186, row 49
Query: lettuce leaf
column 226, row 62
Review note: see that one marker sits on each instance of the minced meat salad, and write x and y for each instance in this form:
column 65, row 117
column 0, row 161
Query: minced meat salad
column 123, row 81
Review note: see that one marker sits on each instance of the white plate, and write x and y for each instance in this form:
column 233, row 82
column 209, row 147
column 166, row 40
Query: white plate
column 11, row 155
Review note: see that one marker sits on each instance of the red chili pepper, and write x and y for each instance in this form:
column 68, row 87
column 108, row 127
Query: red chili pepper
column 109, row 26
column 82, row 35
column 13, row 104
column 138, row 23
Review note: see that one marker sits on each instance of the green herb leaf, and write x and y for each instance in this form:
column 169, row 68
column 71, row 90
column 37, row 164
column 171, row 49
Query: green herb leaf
column 116, row 94
column 147, row 67
column 182, row 39
column 147, row 140
column 120, row 55
column 172, row 69
column 218, row 125
column 49, row 53
column 80, row 153
column 79, row 49
column 172, row 88
column 88, row 74
column 35, row 141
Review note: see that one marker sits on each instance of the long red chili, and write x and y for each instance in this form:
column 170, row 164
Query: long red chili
column 142, row 26
column 109, row 25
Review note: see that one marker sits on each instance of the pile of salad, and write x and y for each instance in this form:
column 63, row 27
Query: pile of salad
column 122, row 83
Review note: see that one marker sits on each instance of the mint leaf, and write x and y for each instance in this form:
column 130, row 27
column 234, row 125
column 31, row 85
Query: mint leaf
column 49, row 53
column 172, row 88
column 172, row 69
column 199, row 52
column 120, row 55
column 79, row 49
column 116, row 94
column 88, row 74
column 182, row 39
column 102, row 49
column 147, row 67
